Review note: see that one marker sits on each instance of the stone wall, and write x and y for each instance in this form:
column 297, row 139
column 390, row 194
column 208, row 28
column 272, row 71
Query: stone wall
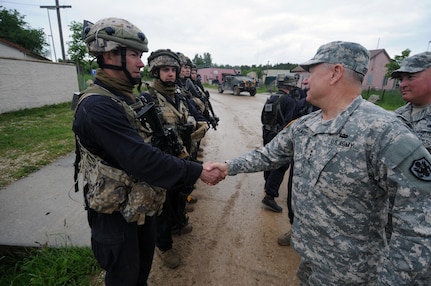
column 29, row 84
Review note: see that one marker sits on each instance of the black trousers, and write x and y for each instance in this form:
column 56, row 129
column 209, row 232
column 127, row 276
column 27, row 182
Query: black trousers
column 125, row 250
column 273, row 178
column 173, row 216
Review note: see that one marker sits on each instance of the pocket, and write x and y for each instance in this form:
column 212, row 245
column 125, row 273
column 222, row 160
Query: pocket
column 107, row 248
column 142, row 200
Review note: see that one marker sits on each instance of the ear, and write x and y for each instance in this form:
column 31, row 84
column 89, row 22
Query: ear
column 337, row 73
column 108, row 57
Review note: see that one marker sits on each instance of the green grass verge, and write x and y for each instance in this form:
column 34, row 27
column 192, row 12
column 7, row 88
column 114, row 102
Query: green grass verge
column 50, row 267
column 32, row 138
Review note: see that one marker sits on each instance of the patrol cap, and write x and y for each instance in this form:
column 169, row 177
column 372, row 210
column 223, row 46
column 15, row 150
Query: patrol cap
column 414, row 64
column 351, row 55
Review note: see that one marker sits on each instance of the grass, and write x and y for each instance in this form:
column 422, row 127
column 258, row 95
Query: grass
column 33, row 138
column 29, row 140
column 50, row 267
column 389, row 99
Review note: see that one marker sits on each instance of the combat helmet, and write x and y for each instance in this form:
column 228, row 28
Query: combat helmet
column 163, row 57
column 290, row 79
column 111, row 34
column 185, row 61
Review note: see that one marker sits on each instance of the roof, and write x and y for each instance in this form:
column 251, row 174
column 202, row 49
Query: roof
column 375, row 53
column 23, row 50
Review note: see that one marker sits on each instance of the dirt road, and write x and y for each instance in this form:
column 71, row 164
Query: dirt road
column 234, row 238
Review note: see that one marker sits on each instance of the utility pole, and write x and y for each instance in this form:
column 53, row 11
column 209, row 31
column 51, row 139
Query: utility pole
column 57, row 7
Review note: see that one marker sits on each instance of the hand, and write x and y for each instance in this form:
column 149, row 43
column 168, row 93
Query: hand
column 213, row 173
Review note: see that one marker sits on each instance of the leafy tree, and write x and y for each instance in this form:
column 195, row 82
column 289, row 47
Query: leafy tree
column 14, row 29
column 394, row 63
column 207, row 59
column 204, row 61
column 77, row 49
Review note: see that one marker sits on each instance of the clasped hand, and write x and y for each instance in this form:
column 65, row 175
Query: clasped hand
column 213, row 172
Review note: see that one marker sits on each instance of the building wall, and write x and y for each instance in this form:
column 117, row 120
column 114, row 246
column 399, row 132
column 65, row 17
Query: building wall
column 29, row 84
column 375, row 77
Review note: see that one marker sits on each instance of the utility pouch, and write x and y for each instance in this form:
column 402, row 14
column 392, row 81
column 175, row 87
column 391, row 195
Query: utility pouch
column 111, row 189
column 107, row 187
column 143, row 200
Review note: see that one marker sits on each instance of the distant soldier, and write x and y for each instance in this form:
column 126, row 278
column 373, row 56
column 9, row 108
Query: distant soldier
column 278, row 111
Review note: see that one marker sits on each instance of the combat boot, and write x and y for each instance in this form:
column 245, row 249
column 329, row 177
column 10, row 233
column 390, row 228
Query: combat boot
column 284, row 239
column 169, row 257
column 270, row 203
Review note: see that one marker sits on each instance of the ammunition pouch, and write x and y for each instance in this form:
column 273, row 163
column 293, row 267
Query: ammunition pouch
column 199, row 133
column 111, row 189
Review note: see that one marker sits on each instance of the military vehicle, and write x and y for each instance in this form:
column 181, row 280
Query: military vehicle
column 237, row 84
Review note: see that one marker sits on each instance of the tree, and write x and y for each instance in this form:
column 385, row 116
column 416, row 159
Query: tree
column 77, row 49
column 14, row 29
column 394, row 63
column 204, row 61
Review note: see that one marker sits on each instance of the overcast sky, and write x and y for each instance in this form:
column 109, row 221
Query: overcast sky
column 247, row 32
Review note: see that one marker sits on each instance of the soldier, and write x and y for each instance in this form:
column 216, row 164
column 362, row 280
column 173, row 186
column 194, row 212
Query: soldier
column 164, row 66
column 415, row 76
column 187, row 86
column 204, row 97
column 125, row 178
column 277, row 112
column 351, row 158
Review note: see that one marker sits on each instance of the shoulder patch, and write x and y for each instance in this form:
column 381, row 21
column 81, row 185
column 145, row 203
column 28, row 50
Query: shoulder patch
column 421, row 169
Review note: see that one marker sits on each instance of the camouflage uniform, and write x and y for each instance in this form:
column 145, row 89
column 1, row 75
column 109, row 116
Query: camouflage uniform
column 346, row 171
column 421, row 120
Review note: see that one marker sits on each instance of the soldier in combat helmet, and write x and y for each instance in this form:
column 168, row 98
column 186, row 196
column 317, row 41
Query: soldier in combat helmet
column 278, row 111
column 125, row 178
column 176, row 112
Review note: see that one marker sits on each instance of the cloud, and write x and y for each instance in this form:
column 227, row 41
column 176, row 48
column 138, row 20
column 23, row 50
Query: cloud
column 254, row 31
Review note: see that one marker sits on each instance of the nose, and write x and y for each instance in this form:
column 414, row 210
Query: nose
column 140, row 63
column 403, row 83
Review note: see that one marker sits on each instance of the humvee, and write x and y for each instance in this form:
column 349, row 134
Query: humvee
column 237, row 84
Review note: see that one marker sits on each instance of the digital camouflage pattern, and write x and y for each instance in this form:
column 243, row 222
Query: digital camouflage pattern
column 413, row 64
column 111, row 33
column 107, row 186
column 143, row 200
column 290, row 79
column 346, row 172
column 421, row 122
column 160, row 58
column 351, row 55
column 111, row 189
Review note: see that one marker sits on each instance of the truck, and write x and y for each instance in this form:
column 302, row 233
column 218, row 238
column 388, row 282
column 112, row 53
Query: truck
column 237, row 83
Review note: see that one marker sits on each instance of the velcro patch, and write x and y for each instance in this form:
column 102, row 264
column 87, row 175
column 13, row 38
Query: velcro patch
column 421, row 169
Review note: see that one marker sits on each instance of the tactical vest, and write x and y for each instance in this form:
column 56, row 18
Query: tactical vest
column 270, row 111
column 172, row 116
column 111, row 189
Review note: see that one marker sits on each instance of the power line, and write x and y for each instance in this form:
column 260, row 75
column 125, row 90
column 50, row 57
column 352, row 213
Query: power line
column 57, row 7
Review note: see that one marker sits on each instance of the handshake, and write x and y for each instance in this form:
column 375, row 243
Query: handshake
column 213, row 172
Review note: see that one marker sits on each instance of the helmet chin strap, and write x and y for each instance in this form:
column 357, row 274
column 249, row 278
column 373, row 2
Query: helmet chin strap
column 132, row 80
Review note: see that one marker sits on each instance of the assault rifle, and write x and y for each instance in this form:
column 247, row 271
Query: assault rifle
column 163, row 138
column 195, row 90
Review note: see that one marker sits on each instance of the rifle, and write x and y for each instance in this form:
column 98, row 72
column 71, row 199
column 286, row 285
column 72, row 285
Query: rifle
column 163, row 138
column 195, row 90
